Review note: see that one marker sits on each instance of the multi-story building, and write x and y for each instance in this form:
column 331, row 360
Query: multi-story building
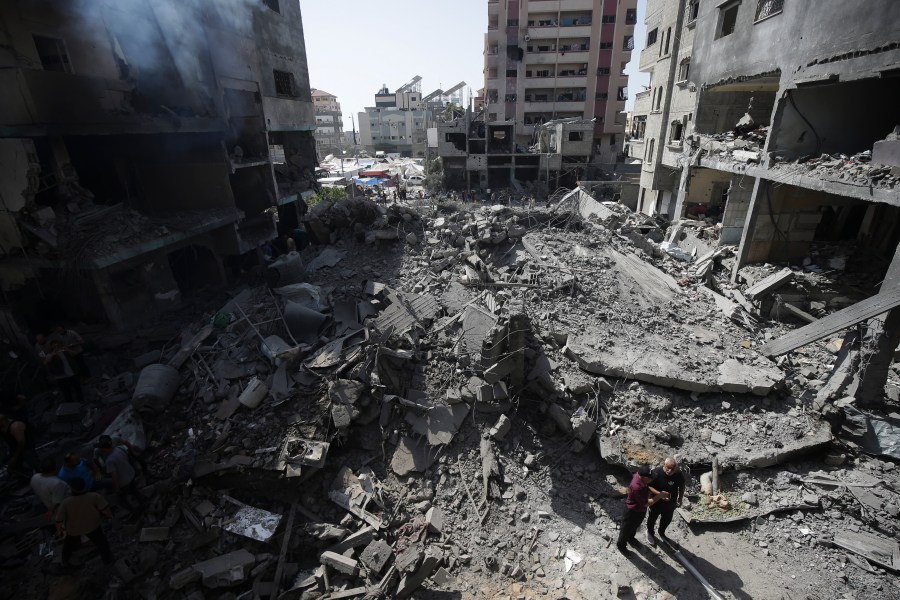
column 144, row 147
column 397, row 123
column 782, row 139
column 329, row 123
column 662, row 113
column 563, row 59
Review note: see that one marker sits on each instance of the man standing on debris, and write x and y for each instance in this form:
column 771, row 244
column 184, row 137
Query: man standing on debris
column 76, row 467
column 118, row 466
column 73, row 344
column 79, row 515
column 636, row 503
column 60, row 366
column 48, row 487
column 669, row 479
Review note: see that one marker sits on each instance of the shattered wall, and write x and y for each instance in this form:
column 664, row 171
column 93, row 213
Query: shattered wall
column 18, row 182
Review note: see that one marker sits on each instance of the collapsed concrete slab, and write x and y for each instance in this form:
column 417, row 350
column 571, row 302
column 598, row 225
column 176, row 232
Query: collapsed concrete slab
column 758, row 378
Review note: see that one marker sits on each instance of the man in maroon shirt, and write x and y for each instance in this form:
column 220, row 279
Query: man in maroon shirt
column 636, row 502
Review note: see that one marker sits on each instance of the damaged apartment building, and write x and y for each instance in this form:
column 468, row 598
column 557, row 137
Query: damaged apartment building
column 782, row 139
column 554, row 95
column 146, row 149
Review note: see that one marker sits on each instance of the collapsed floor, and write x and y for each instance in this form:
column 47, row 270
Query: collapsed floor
column 445, row 402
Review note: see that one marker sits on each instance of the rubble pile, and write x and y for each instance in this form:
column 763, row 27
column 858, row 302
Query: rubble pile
column 743, row 144
column 858, row 169
column 414, row 403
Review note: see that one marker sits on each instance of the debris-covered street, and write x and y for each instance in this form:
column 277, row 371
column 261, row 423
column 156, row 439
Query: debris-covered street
column 423, row 410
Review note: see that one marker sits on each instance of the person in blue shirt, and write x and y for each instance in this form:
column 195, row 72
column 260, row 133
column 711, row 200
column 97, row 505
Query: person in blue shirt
column 75, row 466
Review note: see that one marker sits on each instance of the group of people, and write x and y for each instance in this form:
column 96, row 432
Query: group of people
column 62, row 354
column 72, row 493
column 658, row 492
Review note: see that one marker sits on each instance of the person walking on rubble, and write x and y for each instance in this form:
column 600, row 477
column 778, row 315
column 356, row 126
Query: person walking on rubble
column 61, row 368
column 80, row 515
column 73, row 344
column 19, row 444
column 670, row 480
column 48, row 487
column 124, row 477
column 636, row 502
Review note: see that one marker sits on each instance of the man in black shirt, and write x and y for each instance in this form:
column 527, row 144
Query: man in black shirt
column 667, row 478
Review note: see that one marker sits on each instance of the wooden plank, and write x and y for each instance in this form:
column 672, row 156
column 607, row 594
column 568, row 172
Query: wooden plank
column 877, row 550
column 285, row 542
column 799, row 313
column 769, row 284
column 190, row 347
column 834, row 322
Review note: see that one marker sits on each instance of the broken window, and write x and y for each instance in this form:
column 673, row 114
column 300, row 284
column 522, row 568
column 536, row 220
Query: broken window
column 623, row 93
column 273, row 4
column 684, row 69
column 512, row 73
column 767, row 8
column 576, row 136
column 651, row 37
column 628, row 44
column 511, row 97
column 693, row 9
column 728, row 18
column 631, row 16
column 53, row 55
column 676, row 131
column 284, row 83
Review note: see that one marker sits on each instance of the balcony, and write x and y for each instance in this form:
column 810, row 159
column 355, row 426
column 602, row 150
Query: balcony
column 558, row 107
column 542, row 33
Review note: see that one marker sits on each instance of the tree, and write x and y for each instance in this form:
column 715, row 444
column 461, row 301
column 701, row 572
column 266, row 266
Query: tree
column 434, row 175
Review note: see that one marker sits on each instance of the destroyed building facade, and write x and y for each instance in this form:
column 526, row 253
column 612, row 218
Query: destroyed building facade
column 146, row 147
column 775, row 145
column 662, row 113
column 329, row 123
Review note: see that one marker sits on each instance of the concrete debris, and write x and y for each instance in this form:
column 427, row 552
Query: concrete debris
column 501, row 349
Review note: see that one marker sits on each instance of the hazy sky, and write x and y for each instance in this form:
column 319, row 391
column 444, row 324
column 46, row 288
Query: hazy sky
column 354, row 47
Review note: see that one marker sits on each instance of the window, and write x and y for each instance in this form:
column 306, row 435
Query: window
column 576, row 136
column 512, row 22
column 651, row 37
column 668, row 40
column 676, row 131
column 608, row 19
column 649, row 154
column 693, row 9
column 628, row 44
column 510, row 97
column 606, row 45
column 658, row 98
column 603, row 71
column 601, row 96
column 512, row 73
column 767, row 8
column 613, row 139
column 684, row 69
column 273, row 4
column 631, row 16
column 727, row 19
column 622, row 94
column 284, row 83
column 52, row 52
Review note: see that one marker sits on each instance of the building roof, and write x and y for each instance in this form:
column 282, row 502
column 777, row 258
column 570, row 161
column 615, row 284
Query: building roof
column 321, row 94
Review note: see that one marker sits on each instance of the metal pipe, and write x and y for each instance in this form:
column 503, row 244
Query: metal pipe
column 709, row 588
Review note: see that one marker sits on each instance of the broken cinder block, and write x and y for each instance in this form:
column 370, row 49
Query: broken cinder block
column 339, row 562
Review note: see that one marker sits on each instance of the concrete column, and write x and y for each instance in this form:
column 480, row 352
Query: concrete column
column 749, row 227
column 879, row 343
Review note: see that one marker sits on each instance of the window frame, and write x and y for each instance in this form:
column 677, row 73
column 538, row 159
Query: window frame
column 761, row 3
column 654, row 33
column 292, row 83
column 724, row 9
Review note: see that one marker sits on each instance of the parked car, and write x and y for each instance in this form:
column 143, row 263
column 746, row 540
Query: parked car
column 415, row 180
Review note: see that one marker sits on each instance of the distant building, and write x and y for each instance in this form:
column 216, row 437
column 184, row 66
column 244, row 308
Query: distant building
column 560, row 60
column 397, row 123
column 145, row 154
column 329, row 123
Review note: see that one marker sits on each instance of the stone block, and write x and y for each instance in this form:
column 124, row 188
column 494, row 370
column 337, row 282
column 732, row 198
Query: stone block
column 435, row 519
column 226, row 570
column 501, row 428
column 183, row 577
column 376, row 555
column 339, row 562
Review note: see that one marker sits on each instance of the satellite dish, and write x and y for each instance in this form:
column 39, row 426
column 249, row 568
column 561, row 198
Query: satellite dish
column 527, row 38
